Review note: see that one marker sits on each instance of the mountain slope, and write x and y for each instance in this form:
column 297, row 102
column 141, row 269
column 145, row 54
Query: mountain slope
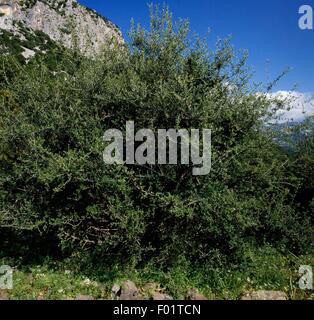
column 64, row 21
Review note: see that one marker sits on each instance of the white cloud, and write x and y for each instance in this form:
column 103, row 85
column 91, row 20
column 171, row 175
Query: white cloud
column 299, row 105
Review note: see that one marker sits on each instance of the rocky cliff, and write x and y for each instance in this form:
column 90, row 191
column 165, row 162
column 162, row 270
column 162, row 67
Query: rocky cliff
column 64, row 21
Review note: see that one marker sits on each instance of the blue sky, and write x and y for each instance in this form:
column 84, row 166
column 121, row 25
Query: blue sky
column 267, row 28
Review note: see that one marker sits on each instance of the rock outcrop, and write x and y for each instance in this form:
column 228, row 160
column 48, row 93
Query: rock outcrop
column 64, row 21
column 6, row 14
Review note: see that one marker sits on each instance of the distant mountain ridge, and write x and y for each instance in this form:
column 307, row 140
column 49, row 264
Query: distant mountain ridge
column 64, row 21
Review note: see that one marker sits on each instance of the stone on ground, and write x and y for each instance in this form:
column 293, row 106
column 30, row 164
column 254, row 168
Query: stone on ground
column 264, row 295
column 3, row 295
column 129, row 291
column 84, row 298
column 193, row 294
column 161, row 297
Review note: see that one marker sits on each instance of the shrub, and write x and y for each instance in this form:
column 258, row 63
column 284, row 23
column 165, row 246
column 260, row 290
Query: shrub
column 54, row 184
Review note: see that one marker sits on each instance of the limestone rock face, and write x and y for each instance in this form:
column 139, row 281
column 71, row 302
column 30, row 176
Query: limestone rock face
column 6, row 7
column 6, row 12
column 64, row 21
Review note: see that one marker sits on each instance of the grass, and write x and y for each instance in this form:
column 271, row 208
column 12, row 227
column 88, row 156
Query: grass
column 43, row 282
column 264, row 269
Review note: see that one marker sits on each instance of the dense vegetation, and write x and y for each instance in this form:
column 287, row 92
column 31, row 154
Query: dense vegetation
column 252, row 216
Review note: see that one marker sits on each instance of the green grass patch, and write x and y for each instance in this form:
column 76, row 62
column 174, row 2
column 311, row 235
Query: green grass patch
column 265, row 269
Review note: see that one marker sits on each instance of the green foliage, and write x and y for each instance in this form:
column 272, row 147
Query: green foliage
column 55, row 187
column 302, row 167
